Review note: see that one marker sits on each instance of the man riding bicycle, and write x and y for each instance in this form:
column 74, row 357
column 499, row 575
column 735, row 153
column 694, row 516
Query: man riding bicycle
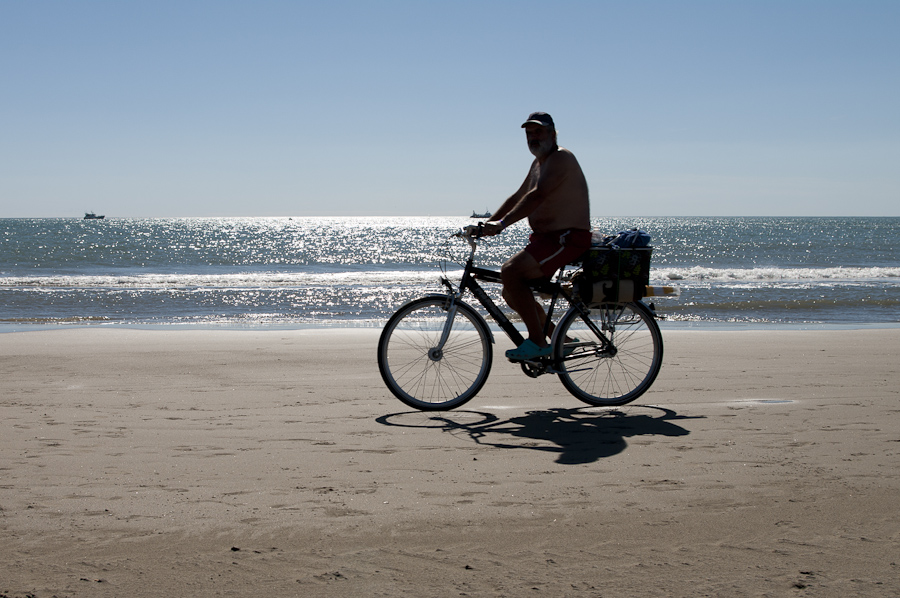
column 554, row 198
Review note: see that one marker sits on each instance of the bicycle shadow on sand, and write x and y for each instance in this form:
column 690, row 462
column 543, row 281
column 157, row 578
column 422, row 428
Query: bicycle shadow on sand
column 577, row 436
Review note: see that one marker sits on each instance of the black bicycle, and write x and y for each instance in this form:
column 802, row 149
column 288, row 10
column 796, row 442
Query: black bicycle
column 435, row 353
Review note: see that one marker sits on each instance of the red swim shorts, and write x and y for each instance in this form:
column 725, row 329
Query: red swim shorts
column 556, row 249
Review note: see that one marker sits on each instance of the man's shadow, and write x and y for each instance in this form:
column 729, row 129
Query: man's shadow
column 576, row 435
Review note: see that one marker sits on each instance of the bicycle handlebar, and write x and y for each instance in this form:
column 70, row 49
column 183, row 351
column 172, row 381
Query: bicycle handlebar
column 473, row 231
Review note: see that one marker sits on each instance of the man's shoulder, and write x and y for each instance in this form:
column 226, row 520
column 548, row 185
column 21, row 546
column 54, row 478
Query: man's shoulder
column 561, row 158
column 562, row 155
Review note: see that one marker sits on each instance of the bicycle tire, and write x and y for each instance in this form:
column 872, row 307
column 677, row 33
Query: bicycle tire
column 426, row 379
column 612, row 377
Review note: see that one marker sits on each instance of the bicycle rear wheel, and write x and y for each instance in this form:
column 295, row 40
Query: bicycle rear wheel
column 421, row 374
column 615, row 375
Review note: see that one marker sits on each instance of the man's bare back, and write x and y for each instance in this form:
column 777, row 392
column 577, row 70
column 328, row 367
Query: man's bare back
column 565, row 204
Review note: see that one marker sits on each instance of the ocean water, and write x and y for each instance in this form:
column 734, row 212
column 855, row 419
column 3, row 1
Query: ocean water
column 284, row 272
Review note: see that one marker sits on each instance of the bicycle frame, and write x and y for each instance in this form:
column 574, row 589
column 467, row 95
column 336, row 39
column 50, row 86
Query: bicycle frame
column 435, row 352
column 469, row 282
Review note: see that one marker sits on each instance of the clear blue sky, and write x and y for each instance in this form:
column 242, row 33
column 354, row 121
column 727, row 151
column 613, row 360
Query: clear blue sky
column 220, row 108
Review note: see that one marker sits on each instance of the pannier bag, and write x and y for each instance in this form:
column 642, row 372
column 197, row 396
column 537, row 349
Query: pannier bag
column 613, row 273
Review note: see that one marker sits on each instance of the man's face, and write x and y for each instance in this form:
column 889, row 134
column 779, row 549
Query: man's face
column 541, row 139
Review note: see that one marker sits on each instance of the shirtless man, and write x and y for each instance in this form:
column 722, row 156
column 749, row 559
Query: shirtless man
column 554, row 198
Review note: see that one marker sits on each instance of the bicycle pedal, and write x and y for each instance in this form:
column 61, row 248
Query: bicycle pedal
column 537, row 362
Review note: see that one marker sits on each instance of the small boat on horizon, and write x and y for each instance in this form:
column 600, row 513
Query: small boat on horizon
column 485, row 214
column 93, row 216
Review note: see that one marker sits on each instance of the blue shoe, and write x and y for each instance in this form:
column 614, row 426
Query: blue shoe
column 528, row 350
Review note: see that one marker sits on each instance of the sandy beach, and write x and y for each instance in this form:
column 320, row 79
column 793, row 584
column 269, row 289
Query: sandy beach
column 146, row 463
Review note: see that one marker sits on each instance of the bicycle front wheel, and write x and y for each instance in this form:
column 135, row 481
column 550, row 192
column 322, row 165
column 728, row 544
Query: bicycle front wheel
column 419, row 371
column 618, row 372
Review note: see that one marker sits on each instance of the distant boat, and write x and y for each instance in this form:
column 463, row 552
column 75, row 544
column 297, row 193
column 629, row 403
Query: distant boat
column 486, row 214
column 92, row 216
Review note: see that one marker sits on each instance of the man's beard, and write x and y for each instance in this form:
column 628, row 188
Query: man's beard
column 542, row 149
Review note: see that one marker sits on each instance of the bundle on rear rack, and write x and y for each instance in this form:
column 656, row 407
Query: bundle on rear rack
column 615, row 269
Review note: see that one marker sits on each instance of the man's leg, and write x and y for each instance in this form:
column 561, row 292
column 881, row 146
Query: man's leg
column 516, row 273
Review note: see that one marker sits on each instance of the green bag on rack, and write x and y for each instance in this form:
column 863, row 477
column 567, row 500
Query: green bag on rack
column 614, row 275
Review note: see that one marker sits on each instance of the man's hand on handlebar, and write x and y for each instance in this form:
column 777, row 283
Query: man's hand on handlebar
column 492, row 228
column 472, row 231
column 482, row 229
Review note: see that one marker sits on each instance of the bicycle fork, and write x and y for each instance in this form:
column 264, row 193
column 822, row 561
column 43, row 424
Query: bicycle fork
column 437, row 353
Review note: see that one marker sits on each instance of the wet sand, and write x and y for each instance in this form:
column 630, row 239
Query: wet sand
column 233, row 463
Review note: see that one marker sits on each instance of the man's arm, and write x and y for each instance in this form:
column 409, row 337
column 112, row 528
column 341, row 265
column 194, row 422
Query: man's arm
column 522, row 203
column 516, row 197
